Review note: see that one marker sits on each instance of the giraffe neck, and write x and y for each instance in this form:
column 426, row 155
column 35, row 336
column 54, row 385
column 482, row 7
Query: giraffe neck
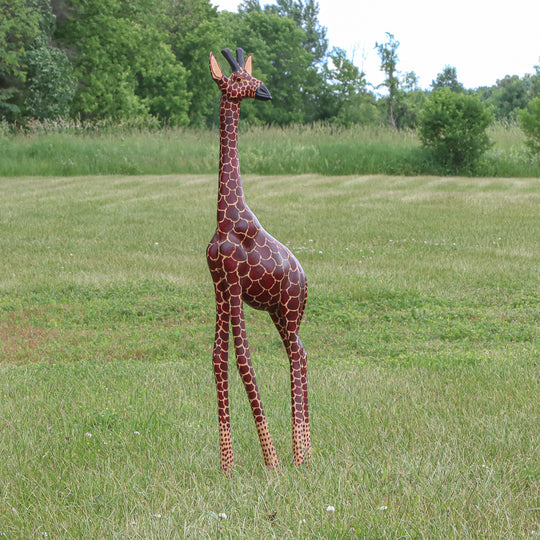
column 231, row 194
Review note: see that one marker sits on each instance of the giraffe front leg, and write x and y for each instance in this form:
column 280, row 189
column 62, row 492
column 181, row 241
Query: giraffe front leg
column 220, row 362
column 247, row 373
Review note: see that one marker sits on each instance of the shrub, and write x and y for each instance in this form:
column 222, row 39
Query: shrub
column 51, row 84
column 454, row 127
column 529, row 120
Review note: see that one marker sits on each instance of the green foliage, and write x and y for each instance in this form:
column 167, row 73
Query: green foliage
column 529, row 119
column 350, row 101
column 404, row 100
column 388, row 55
column 51, row 84
column 454, row 127
column 409, row 108
column 8, row 103
column 148, row 59
column 19, row 27
column 278, row 45
column 508, row 96
column 125, row 67
column 162, row 86
column 305, row 14
column 194, row 30
column 448, row 79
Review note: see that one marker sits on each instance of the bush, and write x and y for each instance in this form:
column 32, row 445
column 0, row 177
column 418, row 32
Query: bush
column 454, row 127
column 51, row 84
column 530, row 124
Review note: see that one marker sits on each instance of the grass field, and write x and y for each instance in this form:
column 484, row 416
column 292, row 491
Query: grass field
column 422, row 336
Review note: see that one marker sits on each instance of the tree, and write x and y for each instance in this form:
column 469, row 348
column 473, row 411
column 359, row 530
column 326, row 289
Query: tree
column 194, row 29
column 210, row 35
column 279, row 60
column 410, row 102
column 509, row 96
column 124, row 65
column 35, row 76
column 388, row 54
column 529, row 119
column 454, row 127
column 19, row 27
column 448, row 79
column 535, row 82
column 304, row 14
column 352, row 103
column 51, row 84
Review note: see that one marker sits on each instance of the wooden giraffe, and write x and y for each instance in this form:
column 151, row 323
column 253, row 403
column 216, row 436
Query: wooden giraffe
column 248, row 265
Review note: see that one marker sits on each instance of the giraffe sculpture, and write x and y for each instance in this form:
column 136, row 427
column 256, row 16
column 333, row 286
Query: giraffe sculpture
column 248, row 265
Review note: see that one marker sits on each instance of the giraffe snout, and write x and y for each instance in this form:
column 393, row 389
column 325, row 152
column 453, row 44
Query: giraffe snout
column 263, row 93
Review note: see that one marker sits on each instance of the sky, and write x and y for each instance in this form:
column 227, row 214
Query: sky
column 484, row 40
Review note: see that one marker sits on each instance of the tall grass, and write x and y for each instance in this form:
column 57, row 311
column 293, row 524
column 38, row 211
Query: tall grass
column 421, row 330
column 73, row 149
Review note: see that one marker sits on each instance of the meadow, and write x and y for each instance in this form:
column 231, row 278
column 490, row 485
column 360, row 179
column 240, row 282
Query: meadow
column 422, row 337
column 74, row 149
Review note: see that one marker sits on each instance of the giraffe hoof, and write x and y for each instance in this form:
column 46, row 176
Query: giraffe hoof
column 273, row 465
column 227, row 468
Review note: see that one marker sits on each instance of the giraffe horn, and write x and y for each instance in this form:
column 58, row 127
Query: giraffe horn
column 231, row 59
column 240, row 56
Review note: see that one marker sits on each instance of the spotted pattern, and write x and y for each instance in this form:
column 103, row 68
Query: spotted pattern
column 249, row 265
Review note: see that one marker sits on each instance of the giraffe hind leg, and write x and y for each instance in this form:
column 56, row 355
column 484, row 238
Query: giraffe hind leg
column 299, row 402
column 303, row 376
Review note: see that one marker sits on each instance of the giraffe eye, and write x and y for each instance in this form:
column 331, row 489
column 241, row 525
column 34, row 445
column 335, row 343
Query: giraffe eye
column 238, row 79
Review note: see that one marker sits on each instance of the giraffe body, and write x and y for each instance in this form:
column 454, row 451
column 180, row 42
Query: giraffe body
column 248, row 265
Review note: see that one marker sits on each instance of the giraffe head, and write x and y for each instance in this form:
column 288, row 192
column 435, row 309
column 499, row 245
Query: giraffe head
column 241, row 84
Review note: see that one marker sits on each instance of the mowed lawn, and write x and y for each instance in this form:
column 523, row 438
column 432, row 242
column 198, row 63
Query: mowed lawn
column 422, row 336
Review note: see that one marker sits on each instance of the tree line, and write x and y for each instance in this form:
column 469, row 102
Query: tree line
column 149, row 59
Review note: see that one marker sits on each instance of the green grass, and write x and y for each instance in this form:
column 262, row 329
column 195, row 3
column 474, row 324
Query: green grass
column 421, row 330
column 318, row 149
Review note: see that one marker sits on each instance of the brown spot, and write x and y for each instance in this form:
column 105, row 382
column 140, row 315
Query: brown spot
column 21, row 339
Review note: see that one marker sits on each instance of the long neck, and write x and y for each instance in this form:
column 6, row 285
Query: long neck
column 231, row 194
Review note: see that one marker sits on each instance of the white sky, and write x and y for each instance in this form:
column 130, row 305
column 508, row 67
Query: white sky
column 484, row 40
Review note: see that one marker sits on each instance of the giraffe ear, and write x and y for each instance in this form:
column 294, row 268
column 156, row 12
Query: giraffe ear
column 215, row 70
column 248, row 65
